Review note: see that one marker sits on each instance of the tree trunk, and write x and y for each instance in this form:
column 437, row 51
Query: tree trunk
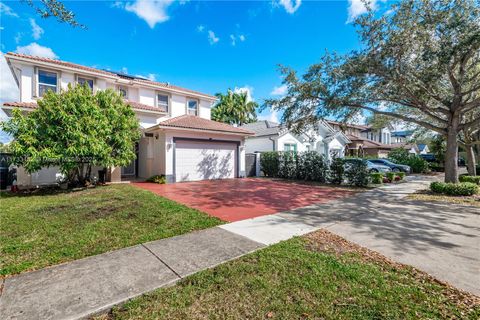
column 470, row 160
column 451, row 156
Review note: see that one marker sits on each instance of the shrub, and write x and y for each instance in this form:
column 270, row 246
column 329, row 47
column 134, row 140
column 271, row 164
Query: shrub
column 454, row 189
column 287, row 165
column 385, row 180
column 160, row 179
column 436, row 167
column 336, row 171
column 357, row 174
column 401, row 156
column 401, row 175
column 312, row 166
column 270, row 163
column 390, row 176
column 377, row 177
column 471, row 179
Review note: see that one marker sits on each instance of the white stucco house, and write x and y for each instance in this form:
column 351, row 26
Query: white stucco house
column 178, row 138
column 271, row 136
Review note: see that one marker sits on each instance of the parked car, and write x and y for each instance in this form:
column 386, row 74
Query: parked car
column 431, row 158
column 371, row 167
column 394, row 166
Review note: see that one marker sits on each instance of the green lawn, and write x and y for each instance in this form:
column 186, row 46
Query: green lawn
column 40, row 230
column 304, row 278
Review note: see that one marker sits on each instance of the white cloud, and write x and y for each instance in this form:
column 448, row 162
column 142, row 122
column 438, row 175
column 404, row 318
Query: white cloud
column 233, row 40
column 8, row 87
column 245, row 89
column 6, row 10
column 242, row 37
column 37, row 31
column 150, row 76
column 270, row 116
column 152, row 11
column 200, row 28
column 290, row 5
column 212, row 38
column 279, row 91
column 357, row 8
column 35, row 49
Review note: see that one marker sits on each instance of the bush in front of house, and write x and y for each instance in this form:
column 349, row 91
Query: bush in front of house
column 357, row 174
column 377, row 177
column 401, row 156
column 471, row 179
column 401, row 175
column 390, row 176
column 454, row 189
column 287, row 168
column 160, row 179
column 270, row 163
column 312, row 166
column 337, row 171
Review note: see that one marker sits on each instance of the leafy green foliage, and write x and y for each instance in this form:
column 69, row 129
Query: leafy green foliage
column 270, row 163
column 401, row 156
column 471, row 179
column 401, row 175
column 312, row 166
column 288, row 165
column 390, row 176
column 54, row 8
column 337, row 171
column 160, row 179
column 455, row 189
column 438, row 147
column 357, row 173
column 234, row 108
column 419, row 64
column 75, row 130
column 377, row 177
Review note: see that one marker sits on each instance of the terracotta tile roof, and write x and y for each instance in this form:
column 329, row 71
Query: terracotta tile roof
column 194, row 122
column 370, row 144
column 163, row 85
column 33, row 105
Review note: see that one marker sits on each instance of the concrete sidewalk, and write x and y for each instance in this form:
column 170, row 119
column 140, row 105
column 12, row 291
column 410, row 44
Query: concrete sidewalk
column 439, row 238
column 84, row 287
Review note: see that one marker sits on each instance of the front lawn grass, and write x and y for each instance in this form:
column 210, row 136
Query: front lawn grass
column 320, row 276
column 427, row 195
column 40, row 230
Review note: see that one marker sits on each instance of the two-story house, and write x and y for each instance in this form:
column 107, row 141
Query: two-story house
column 271, row 136
column 178, row 138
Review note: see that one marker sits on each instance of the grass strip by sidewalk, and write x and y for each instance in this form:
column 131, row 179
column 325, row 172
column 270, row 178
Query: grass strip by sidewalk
column 40, row 230
column 319, row 276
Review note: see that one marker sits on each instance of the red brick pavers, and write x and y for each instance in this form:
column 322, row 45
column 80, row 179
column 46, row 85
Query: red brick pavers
column 239, row 199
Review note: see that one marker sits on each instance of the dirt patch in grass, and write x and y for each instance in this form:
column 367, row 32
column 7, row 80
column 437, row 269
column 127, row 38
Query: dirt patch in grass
column 427, row 195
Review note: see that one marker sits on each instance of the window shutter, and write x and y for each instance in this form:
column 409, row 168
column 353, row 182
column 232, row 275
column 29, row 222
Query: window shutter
column 34, row 82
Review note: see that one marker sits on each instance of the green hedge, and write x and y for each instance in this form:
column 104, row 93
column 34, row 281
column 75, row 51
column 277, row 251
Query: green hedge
column 357, row 174
column 377, row 177
column 308, row 165
column 401, row 156
column 337, row 171
column 157, row 179
column 472, row 179
column 270, row 163
column 454, row 189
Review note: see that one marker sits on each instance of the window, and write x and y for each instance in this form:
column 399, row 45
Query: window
column 123, row 92
column 82, row 81
column 192, row 107
column 308, row 147
column 162, row 102
column 46, row 81
column 289, row 147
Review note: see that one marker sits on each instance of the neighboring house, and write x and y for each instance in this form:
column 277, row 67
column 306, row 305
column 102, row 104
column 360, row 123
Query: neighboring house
column 382, row 135
column 402, row 136
column 179, row 140
column 412, row 148
column 271, row 136
column 360, row 147
column 423, row 149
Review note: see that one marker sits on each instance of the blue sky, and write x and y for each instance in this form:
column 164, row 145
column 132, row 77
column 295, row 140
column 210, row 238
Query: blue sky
column 208, row 46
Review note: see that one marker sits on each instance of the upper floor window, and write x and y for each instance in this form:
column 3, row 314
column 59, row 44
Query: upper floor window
column 162, row 102
column 123, row 92
column 290, row 147
column 47, row 80
column 192, row 107
column 82, row 81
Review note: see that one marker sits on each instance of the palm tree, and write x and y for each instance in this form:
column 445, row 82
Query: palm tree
column 234, row 108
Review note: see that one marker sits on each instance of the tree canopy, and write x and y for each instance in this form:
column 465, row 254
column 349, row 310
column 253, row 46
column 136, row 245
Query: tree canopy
column 74, row 129
column 419, row 62
column 234, row 108
column 54, row 8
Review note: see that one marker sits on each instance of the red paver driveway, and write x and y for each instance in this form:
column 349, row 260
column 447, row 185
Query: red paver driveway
column 239, row 199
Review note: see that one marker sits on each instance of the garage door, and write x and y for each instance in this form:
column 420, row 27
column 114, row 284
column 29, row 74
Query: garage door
column 198, row 160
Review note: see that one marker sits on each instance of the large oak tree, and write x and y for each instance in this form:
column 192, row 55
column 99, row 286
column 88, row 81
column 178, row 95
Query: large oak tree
column 418, row 62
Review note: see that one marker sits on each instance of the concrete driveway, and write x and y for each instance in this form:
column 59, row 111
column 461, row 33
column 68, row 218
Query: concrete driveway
column 439, row 238
column 239, row 199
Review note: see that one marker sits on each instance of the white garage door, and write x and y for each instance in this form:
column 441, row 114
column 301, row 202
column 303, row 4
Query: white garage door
column 204, row 160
